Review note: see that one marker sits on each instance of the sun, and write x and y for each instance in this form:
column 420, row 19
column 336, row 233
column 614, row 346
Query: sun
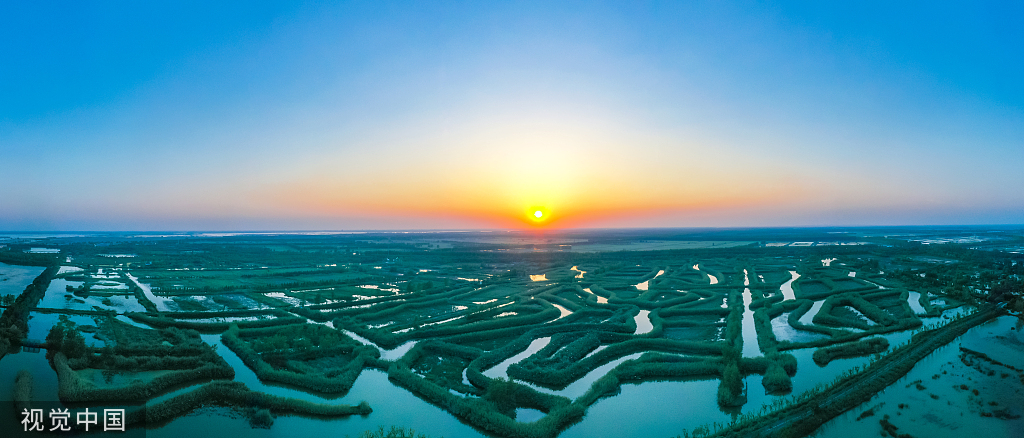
column 537, row 215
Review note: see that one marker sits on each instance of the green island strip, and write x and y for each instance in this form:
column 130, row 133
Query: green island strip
column 310, row 356
column 257, row 406
column 823, row 356
column 72, row 388
column 275, row 317
column 14, row 320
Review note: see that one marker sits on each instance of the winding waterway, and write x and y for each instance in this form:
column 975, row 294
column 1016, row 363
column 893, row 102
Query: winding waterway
column 750, row 346
column 645, row 284
column 159, row 302
column 787, row 287
column 501, row 369
column 667, row 407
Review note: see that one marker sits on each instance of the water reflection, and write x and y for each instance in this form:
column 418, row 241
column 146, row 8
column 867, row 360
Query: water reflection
column 643, row 322
column 644, row 285
column 563, row 312
column 750, row 347
column 501, row 370
column 159, row 302
column 787, row 287
column 600, row 299
column 915, row 304
column 393, row 354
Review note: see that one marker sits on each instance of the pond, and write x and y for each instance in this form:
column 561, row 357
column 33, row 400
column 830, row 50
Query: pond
column 934, row 403
column 653, row 409
column 527, row 415
column 57, row 297
column 14, row 278
column 39, row 325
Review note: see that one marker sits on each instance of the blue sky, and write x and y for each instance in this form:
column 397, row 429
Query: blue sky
column 181, row 116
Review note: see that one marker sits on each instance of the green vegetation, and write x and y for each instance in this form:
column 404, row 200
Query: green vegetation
column 393, row 432
column 65, row 338
column 14, row 320
column 73, row 388
column 495, row 411
column 286, row 306
column 823, row 356
column 235, row 394
column 185, row 320
column 804, row 414
column 181, row 354
column 313, row 357
column 21, row 395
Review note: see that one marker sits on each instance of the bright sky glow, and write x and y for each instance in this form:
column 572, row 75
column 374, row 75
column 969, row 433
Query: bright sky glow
column 370, row 115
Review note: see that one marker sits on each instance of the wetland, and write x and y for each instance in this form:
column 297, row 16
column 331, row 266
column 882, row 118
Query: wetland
column 520, row 336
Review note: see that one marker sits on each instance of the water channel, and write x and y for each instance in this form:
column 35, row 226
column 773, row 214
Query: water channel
column 667, row 407
column 159, row 302
column 750, row 346
column 644, row 285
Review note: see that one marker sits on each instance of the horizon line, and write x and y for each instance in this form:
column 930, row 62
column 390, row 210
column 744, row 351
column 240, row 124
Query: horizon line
column 472, row 230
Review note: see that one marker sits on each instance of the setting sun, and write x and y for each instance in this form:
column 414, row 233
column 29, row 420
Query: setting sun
column 538, row 215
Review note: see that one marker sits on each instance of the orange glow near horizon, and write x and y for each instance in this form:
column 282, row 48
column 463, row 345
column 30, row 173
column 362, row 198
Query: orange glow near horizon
column 507, row 190
column 538, row 216
column 491, row 205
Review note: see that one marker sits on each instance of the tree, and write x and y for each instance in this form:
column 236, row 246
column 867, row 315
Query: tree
column 74, row 344
column 55, row 340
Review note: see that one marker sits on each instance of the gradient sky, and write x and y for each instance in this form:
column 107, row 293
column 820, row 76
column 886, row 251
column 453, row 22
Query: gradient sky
column 374, row 115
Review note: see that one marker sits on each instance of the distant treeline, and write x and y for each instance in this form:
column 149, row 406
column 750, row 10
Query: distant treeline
column 12, row 256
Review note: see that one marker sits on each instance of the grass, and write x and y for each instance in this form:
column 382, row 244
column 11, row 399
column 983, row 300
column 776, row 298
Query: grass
column 393, row 432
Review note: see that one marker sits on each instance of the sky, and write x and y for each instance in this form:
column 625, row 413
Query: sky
column 448, row 115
